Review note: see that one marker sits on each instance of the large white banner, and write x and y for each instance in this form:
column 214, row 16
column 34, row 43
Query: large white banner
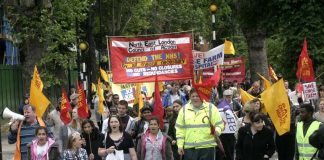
column 209, row 59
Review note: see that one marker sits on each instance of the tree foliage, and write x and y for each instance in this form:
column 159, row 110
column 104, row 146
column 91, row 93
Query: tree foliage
column 298, row 19
column 46, row 31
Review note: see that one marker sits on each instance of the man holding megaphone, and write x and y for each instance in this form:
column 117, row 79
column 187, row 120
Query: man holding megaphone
column 22, row 132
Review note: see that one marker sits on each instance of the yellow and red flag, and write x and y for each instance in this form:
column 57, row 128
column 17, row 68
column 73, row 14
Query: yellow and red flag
column 65, row 108
column 272, row 74
column 101, row 97
column 276, row 102
column 305, row 70
column 83, row 111
column 37, row 98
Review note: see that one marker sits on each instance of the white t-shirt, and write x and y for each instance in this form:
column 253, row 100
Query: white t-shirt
column 41, row 150
column 174, row 97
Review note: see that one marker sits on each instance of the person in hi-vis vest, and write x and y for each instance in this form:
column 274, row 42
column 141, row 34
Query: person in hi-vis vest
column 23, row 132
column 305, row 128
column 194, row 124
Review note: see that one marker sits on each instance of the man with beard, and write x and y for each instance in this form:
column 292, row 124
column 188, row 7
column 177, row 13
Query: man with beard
column 23, row 132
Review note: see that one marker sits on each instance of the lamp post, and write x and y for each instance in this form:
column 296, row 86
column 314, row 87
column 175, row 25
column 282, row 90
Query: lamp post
column 83, row 47
column 213, row 9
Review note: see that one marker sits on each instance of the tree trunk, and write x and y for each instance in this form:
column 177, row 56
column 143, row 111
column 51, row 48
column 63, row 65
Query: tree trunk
column 34, row 52
column 257, row 53
column 92, row 68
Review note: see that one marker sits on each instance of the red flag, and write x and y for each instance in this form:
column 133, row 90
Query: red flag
column 158, row 107
column 82, row 103
column 204, row 90
column 65, row 108
column 305, row 70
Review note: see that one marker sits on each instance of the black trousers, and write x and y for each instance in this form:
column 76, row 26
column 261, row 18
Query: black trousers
column 200, row 154
column 228, row 141
column 285, row 146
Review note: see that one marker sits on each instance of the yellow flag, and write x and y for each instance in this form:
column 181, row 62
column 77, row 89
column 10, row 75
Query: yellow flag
column 228, row 47
column 161, row 84
column 37, row 98
column 37, row 80
column 266, row 83
column 101, row 97
column 276, row 102
column 93, row 87
column 139, row 98
column 104, row 75
column 246, row 97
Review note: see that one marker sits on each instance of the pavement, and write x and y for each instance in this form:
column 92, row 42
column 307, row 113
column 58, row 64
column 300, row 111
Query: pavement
column 7, row 149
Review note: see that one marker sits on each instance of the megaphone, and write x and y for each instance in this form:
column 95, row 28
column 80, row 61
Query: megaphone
column 7, row 113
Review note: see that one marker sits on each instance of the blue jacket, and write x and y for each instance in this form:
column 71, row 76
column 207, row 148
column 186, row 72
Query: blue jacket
column 167, row 99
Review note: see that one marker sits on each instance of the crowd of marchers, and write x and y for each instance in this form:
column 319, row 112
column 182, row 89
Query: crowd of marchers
column 193, row 129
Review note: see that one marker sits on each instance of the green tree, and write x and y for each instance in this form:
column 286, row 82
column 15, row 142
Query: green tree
column 46, row 30
column 298, row 19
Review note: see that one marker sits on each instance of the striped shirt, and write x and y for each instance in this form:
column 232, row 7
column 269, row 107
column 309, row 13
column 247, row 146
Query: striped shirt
column 27, row 134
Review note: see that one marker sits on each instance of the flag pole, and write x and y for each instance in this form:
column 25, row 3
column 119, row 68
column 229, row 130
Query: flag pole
column 319, row 75
column 109, row 67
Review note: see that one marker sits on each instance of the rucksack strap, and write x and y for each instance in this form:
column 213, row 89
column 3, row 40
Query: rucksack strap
column 314, row 155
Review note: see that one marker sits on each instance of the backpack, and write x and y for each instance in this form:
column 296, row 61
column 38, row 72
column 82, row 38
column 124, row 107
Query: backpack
column 317, row 141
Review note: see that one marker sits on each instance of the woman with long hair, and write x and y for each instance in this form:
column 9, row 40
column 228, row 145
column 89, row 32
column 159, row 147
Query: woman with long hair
column 154, row 144
column 117, row 140
column 74, row 149
column 43, row 147
column 255, row 142
column 93, row 139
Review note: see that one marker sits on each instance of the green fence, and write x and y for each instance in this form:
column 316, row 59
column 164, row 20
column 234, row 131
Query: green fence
column 11, row 87
column 12, row 90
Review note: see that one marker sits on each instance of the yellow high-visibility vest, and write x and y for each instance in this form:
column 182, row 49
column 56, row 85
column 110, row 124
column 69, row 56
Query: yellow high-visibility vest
column 305, row 150
column 193, row 128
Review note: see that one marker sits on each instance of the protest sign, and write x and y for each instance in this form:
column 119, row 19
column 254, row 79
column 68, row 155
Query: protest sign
column 230, row 121
column 310, row 91
column 127, row 91
column 139, row 59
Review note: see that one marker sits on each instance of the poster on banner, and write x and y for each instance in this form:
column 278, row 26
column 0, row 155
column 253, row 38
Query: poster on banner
column 234, row 69
column 204, row 60
column 230, row 121
column 127, row 91
column 140, row 59
column 310, row 91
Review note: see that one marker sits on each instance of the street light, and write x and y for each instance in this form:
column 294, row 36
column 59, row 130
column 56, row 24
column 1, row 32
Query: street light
column 83, row 47
column 213, row 9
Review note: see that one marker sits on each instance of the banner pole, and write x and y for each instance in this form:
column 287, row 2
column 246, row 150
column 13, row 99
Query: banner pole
column 148, row 35
column 109, row 67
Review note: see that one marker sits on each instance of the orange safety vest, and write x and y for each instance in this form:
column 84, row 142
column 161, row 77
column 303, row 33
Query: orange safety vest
column 18, row 153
